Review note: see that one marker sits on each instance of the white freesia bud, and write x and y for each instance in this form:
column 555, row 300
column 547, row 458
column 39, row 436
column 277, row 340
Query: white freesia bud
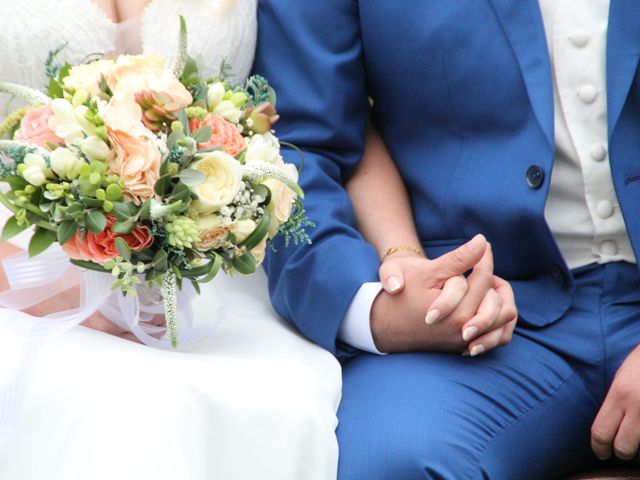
column 215, row 94
column 34, row 175
column 265, row 148
column 65, row 163
column 68, row 128
column 95, row 149
column 223, row 179
column 36, row 171
column 242, row 229
column 227, row 110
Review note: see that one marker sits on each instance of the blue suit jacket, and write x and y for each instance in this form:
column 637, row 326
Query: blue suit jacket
column 463, row 98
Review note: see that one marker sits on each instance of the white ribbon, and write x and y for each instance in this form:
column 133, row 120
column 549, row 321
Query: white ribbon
column 34, row 280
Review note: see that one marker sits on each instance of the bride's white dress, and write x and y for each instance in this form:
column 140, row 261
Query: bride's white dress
column 254, row 400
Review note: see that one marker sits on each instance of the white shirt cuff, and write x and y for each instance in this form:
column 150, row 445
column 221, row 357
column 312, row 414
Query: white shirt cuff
column 356, row 326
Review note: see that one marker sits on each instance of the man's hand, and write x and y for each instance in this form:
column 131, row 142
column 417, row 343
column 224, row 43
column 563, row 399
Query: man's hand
column 617, row 425
column 480, row 308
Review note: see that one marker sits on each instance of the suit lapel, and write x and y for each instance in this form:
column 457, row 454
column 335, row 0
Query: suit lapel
column 623, row 51
column 522, row 24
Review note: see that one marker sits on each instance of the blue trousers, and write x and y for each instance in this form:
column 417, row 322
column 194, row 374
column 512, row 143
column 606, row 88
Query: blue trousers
column 523, row 411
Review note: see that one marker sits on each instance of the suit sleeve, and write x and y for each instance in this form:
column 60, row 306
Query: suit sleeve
column 311, row 53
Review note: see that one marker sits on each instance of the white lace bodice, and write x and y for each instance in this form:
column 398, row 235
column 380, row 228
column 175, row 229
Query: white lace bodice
column 30, row 29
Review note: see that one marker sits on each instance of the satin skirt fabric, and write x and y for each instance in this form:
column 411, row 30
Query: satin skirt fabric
column 255, row 400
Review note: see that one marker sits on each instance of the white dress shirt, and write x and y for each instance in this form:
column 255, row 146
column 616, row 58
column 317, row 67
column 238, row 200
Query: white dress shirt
column 582, row 209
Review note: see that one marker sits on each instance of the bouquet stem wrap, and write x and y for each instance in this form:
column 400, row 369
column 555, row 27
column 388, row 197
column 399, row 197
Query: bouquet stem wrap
column 34, row 280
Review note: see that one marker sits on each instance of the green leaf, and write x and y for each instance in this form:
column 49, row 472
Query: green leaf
column 55, row 89
column 125, row 227
column 182, row 116
column 174, row 137
column 124, row 211
column 246, row 264
column 40, row 241
column 191, row 177
column 64, row 71
column 16, row 182
column 161, row 261
column 89, row 265
column 11, row 229
column 263, row 191
column 92, row 202
column 145, row 210
column 162, row 185
column 259, row 233
column 181, row 192
column 196, row 286
column 96, row 221
column 203, row 135
column 66, row 231
column 123, row 248
column 214, row 267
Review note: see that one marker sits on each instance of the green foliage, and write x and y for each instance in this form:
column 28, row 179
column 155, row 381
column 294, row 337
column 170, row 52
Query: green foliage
column 259, row 91
column 52, row 67
column 40, row 241
column 12, row 228
column 294, row 230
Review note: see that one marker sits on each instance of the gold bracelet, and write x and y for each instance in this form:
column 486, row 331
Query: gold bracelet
column 400, row 248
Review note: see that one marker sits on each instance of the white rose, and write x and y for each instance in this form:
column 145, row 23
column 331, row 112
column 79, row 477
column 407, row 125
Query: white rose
column 87, row 76
column 95, row 149
column 264, row 148
column 281, row 204
column 215, row 94
column 36, row 170
column 242, row 229
column 65, row 163
column 223, row 178
column 227, row 110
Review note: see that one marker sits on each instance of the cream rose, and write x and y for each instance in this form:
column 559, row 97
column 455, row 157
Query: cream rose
column 242, row 229
column 212, row 232
column 65, row 163
column 264, row 148
column 223, row 178
column 260, row 251
column 87, row 76
column 281, row 204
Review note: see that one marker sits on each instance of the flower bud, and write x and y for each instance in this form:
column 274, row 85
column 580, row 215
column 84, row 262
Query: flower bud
column 242, row 229
column 215, row 94
column 239, row 99
column 227, row 110
column 34, row 175
column 80, row 97
column 35, row 170
column 95, row 149
column 262, row 118
column 65, row 163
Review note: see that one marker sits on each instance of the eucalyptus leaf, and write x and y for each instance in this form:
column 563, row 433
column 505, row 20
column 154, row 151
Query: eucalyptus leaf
column 40, row 241
column 191, row 177
column 96, row 221
column 161, row 261
column 89, row 265
column 203, row 134
column 162, row 185
column 125, row 227
column 11, row 229
column 123, row 248
column 66, row 231
column 145, row 210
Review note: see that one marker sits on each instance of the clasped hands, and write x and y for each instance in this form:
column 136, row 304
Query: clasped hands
column 429, row 305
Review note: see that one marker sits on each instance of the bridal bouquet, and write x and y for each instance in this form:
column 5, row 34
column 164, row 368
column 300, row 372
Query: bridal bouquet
column 149, row 173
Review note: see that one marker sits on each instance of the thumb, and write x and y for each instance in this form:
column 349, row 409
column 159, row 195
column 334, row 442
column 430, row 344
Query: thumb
column 462, row 259
column 391, row 277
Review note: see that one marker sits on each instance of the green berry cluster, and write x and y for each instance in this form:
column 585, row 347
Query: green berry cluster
column 182, row 232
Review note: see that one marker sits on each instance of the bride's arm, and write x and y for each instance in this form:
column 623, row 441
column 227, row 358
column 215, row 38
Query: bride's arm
column 380, row 200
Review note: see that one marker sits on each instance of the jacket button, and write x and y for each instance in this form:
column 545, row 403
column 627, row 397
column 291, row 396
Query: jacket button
column 535, row 176
column 558, row 276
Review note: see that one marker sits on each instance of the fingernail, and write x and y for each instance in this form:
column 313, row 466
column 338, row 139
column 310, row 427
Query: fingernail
column 469, row 333
column 432, row 316
column 394, row 284
column 477, row 350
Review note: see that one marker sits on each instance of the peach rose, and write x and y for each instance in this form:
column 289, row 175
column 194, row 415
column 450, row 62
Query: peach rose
column 38, row 127
column 123, row 114
column 225, row 134
column 100, row 247
column 129, row 78
column 137, row 162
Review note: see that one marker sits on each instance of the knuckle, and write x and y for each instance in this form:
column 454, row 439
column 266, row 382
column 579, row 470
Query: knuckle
column 458, row 257
column 600, row 436
column 624, row 451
